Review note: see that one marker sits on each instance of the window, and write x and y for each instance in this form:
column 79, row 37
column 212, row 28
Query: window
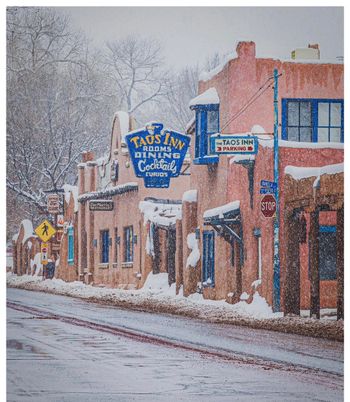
column 313, row 120
column 208, row 259
column 104, row 246
column 70, row 245
column 207, row 124
column 328, row 253
column 128, row 244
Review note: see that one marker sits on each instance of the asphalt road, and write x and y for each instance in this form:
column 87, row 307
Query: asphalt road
column 65, row 349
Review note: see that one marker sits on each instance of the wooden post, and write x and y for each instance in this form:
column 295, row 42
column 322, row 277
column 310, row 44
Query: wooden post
column 292, row 282
column 340, row 263
column 314, row 264
column 238, row 268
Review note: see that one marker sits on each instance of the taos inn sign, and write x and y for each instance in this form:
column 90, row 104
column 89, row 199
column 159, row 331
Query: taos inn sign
column 233, row 144
column 157, row 155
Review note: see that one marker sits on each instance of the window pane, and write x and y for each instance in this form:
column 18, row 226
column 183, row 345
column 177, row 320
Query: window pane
column 336, row 114
column 293, row 133
column 305, row 134
column 327, row 253
column 305, row 113
column 335, row 134
column 212, row 121
column 293, row 114
column 322, row 134
column 323, row 114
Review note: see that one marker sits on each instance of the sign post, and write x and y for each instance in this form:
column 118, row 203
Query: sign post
column 157, row 155
column 276, row 225
column 44, row 256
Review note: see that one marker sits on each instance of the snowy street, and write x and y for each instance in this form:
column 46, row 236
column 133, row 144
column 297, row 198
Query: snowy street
column 65, row 349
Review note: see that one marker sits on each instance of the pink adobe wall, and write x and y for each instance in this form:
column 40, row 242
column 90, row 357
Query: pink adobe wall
column 236, row 84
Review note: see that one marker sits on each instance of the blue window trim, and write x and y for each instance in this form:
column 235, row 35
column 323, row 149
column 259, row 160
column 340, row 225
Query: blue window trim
column 314, row 116
column 202, row 138
column 208, row 266
column 70, row 256
column 105, row 243
column 328, row 229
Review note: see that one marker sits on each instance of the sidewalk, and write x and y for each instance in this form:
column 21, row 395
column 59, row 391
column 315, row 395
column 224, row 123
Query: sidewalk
column 157, row 296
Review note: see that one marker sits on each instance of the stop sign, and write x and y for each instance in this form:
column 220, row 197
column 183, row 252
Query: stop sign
column 268, row 205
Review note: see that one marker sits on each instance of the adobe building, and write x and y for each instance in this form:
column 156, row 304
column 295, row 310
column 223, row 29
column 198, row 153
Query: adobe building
column 117, row 216
column 25, row 246
column 224, row 221
column 67, row 263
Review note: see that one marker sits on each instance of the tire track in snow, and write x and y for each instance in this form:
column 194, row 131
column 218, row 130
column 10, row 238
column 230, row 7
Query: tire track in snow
column 322, row 376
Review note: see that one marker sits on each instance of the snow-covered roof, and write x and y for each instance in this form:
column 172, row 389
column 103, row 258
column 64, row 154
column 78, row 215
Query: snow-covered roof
column 161, row 214
column 190, row 123
column 315, row 145
column 240, row 158
column 221, row 210
column 208, row 97
column 207, row 75
column 311, row 61
column 299, row 173
column 28, row 230
column 68, row 190
column 120, row 189
column 190, row 196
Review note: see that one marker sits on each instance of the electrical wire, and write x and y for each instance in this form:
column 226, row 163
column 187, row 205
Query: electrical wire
column 251, row 100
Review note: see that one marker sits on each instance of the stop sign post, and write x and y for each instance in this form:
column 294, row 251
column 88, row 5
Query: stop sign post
column 268, row 205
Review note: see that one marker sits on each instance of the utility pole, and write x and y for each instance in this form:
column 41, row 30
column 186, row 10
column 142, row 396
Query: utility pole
column 276, row 222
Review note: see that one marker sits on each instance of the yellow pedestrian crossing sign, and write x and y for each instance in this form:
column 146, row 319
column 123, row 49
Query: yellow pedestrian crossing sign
column 45, row 230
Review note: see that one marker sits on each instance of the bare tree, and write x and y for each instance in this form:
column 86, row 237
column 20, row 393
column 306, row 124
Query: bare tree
column 135, row 69
column 54, row 103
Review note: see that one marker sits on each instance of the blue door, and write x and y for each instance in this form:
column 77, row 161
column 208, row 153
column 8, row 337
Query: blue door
column 208, row 266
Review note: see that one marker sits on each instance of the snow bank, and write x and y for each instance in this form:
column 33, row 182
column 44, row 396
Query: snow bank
column 258, row 308
column 161, row 214
column 28, row 230
column 156, row 291
column 220, row 211
column 71, row 190
column 157, row 284
column 190, row 196
column 208, row 97
column 299, row 173
column 194, row 256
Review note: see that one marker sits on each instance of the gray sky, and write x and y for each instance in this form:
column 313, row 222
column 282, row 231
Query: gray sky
column 191, row 34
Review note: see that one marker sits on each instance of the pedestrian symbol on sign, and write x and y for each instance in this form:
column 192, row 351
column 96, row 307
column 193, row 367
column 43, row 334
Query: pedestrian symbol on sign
column 45, row 231
column 45, row 228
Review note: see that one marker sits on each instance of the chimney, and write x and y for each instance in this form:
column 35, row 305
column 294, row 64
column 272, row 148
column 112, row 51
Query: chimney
column 245, row 50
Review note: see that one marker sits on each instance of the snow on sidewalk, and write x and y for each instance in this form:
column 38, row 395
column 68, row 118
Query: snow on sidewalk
column 156, row 295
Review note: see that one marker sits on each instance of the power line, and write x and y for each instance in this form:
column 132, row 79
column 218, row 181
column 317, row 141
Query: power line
column 250, row 101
